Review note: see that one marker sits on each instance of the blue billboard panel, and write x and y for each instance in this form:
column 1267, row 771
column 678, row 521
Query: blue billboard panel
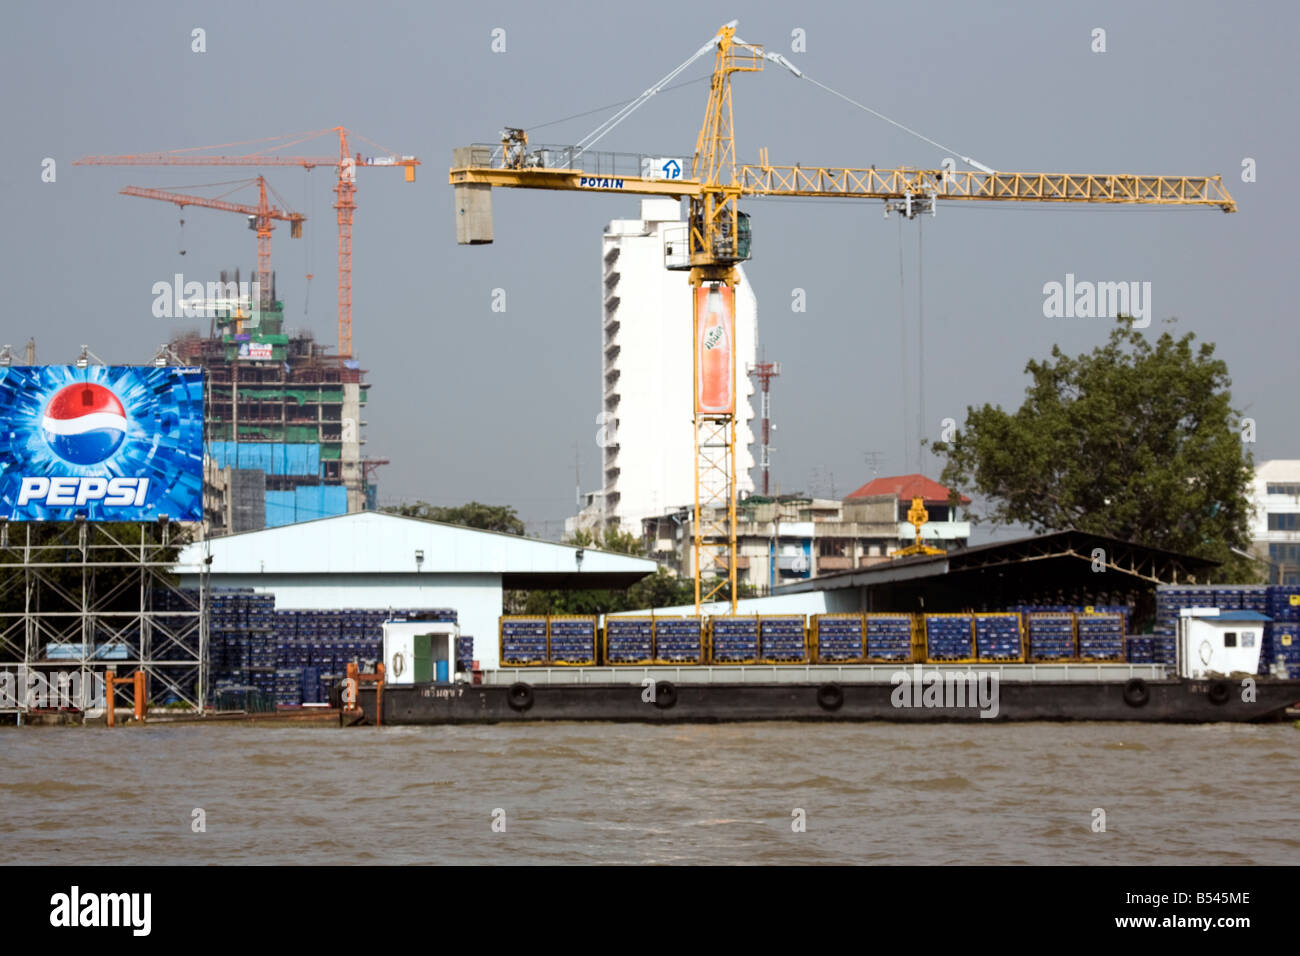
column 111, row 443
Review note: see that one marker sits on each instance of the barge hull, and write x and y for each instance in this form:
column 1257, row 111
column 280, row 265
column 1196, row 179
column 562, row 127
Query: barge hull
column 1169, row 701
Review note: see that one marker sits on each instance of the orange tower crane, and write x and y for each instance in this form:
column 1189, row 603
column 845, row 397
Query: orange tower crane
column 345, row 190
column 261, row 218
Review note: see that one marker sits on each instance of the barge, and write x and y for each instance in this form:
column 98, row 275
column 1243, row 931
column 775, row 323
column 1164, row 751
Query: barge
column 1212, row 678
column 914, row 693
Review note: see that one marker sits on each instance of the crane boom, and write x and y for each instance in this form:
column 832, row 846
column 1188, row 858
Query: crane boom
column 717, row 238
column 837, row 182
column 262, row 214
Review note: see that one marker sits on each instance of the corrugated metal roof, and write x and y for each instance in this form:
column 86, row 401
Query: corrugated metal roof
column 370, row 542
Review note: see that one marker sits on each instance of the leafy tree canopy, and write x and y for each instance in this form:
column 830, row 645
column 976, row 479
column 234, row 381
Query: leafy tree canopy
column 1134, row 440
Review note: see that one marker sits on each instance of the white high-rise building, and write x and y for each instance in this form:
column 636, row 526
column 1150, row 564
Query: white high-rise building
column 648, row 462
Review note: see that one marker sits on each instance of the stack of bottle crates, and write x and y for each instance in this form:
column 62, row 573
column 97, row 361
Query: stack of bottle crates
column 629, row 640
column 733, row 640
column 678, row 640
column 1173, row 598
column 1100, row 636
column 948, row 637
column 839, row 638
column 572, row 639
column 523, row 641
column 1051, row 635
column 465, row 653
column 998, row 637
column 1282, row 635
column 1140, row 648
column 782, row 639
column 889, row 637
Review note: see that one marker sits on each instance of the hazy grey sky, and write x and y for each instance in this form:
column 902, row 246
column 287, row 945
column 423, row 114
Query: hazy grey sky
column 471, row 403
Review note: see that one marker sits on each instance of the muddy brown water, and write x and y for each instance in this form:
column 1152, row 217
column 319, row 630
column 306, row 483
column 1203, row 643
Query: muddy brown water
column 605, row 793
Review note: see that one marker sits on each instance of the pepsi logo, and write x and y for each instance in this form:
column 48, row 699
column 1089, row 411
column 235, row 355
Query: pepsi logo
column 84, row 423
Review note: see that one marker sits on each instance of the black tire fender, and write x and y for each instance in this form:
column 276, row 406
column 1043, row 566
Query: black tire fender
column 830, row 696
column 1219, row 692
column 1136, row 692
column 665, row 694
column 520, row 696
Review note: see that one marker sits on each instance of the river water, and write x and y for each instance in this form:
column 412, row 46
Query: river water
column 606, row 793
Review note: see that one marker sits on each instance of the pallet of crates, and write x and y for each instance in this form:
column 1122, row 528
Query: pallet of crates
column 629, row 640
column 572, row 640
column 999, row 637
column 523, row 640
column 1123, row 610
column 1051, row 636
column 1284, row 651
column 679, row 640
column 839, row 638
column 1100, row 636
column 890, row 637
column 783, row 639
column 733, row 639
column 950, row 637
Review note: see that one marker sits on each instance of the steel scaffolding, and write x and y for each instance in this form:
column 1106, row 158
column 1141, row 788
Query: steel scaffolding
column 64, row 622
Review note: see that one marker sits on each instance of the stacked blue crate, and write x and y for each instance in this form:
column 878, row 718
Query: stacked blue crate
column 948, row 637
column 889, row 637
column 1051, row 635
column 464, row 652
column 679, row 640
column 573, row 640
column 1284, row 650
column 1101, row 636
column 629, row 640
column 997, row 637
column 523, row 641
column 288, row 687
column 734, row 640
column 841, row 638
column 1254, row 597
column 311, row 689
column 1140, row 648
column 782, row 639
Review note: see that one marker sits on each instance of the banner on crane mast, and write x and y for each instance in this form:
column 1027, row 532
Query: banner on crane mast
column 715, row 343
column 101, row 443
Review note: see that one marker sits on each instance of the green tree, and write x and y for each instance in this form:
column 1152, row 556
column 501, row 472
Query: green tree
column 1134, row 440
column 473, row 515
column 620, row 542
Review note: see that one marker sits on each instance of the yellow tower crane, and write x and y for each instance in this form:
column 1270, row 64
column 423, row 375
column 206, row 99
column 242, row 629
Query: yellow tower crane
column 717, row 237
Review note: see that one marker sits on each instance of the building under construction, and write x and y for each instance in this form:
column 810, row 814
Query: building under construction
column 283, row 419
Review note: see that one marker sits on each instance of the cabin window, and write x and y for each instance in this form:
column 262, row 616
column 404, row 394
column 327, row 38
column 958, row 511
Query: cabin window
column 1230, row 639
column 1247, row 638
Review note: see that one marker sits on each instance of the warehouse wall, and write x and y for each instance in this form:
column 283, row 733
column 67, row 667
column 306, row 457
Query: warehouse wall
column 476, row 597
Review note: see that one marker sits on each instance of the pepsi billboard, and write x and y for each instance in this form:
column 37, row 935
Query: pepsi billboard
column 110, row 443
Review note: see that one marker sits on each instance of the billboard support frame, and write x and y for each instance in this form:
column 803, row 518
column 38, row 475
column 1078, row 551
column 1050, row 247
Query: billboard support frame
column 164, row 629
